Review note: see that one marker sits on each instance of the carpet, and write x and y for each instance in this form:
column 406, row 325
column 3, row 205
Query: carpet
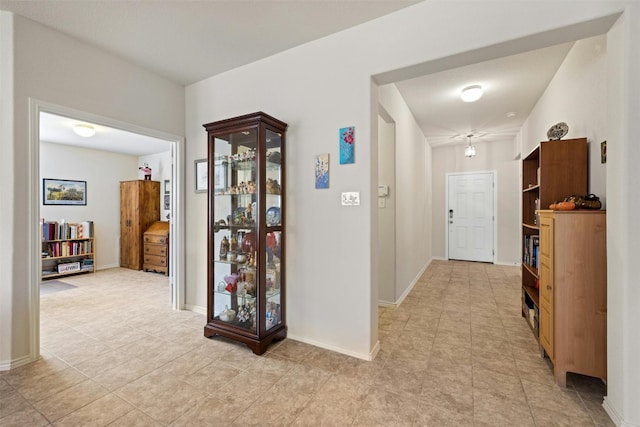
column 52, row 286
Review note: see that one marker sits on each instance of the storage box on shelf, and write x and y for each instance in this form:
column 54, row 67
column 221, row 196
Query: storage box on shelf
column 67, row 248
column 246, row 245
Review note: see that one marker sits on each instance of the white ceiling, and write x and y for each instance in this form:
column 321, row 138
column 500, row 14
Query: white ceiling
column 512, row 84
column 59, row 130
column 187, row 41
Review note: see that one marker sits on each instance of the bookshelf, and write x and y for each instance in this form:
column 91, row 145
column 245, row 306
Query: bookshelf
column 552, row 171
column 67, row 248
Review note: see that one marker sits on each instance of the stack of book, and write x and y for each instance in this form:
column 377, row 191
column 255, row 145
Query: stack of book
column 531, row 250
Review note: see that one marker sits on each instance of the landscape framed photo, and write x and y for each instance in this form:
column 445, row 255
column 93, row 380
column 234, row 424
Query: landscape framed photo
column 64, row 192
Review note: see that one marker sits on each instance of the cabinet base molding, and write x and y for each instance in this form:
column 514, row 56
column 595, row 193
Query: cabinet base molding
column 258, row 346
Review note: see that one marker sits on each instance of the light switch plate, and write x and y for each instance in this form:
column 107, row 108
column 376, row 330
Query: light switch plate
column 382, row 202
column 351, row 198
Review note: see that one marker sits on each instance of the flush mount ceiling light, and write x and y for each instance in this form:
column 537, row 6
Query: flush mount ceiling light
column 471, row 93
column 84, row 130
column 469, row 150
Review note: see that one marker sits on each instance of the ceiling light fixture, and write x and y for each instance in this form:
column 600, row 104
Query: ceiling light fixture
column 469, row 150
column 471, row 93
column 84, row 130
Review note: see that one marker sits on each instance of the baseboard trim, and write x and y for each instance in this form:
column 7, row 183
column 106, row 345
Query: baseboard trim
column 613, row 414
column 106, row 266
column 368, row 357
column 408, row 290
column 196, row 309
column 7, row 365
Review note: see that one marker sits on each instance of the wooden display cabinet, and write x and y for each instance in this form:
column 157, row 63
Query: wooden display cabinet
column 246, row 238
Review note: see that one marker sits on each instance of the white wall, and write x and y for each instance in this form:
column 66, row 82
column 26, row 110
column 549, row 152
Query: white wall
column 103, row 172
column 623, row 227
column 576, row 95
column 301, row 86
column 55, row 68
column 160, row 165
column 490, row 156
column 387, row 214
column 413, row 192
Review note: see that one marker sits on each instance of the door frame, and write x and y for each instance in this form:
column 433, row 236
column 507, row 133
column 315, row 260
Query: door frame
column 177, row 223
column 495, row 210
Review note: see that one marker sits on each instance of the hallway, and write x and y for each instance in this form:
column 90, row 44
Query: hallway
column 457, row 352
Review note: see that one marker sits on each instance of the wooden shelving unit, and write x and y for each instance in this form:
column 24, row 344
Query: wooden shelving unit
column 552, row 171
column 63, row 256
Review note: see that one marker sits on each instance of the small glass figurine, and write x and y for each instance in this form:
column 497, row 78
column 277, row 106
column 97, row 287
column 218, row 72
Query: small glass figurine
column 224, row 248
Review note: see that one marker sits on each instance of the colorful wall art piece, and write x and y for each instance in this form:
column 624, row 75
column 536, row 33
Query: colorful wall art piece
column 347, row 145
column 322, row 170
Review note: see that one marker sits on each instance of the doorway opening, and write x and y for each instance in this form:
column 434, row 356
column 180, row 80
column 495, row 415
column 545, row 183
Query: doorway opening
column 174, row 189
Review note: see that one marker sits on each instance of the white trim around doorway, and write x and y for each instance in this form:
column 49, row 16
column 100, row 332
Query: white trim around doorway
column 177, row 222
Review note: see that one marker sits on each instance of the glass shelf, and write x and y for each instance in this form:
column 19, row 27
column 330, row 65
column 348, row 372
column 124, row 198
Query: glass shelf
column 247, row 212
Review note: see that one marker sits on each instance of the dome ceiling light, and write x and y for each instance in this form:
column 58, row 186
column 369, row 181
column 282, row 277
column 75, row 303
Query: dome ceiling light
column 84, row 130
column 471, row 93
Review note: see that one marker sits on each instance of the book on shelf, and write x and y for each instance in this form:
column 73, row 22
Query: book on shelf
column 531, row 250
column 54, row 230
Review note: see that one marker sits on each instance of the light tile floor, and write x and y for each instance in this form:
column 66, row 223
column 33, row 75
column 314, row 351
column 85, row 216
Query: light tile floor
column 455, row 353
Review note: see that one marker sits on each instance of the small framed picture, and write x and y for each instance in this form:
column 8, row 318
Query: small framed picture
column 603, row 152
column 167, row 202
column 167, row 186
column 202, row 175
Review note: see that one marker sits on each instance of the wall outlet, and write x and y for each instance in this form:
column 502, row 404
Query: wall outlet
column 382, row 202
column 351, row 198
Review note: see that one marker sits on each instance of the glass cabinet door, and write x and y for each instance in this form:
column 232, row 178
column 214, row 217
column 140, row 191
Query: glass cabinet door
column 233, row 213
column 273, row 231
column 246, row 240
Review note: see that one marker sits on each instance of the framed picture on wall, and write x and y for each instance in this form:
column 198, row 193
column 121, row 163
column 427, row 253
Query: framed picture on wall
column 202, row 176
column 64, row 192
column 167, row 186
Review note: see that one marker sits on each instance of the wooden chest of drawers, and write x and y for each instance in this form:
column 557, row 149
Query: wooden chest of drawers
column 156, row 248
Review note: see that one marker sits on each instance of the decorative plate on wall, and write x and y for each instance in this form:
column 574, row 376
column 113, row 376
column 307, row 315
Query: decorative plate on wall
column 557, row 131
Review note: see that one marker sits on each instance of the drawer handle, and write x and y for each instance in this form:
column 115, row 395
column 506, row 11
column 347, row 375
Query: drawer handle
column 146, row 249
column 162, row 240
column 549, row 288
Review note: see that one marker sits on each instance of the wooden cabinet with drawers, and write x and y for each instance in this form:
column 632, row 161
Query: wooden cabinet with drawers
column 156, row 248
column 573, row 292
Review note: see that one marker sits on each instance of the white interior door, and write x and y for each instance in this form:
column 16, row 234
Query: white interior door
column 470, row 216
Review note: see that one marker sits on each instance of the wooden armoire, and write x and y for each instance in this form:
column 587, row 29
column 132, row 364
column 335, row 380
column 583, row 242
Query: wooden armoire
column 139, row 208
